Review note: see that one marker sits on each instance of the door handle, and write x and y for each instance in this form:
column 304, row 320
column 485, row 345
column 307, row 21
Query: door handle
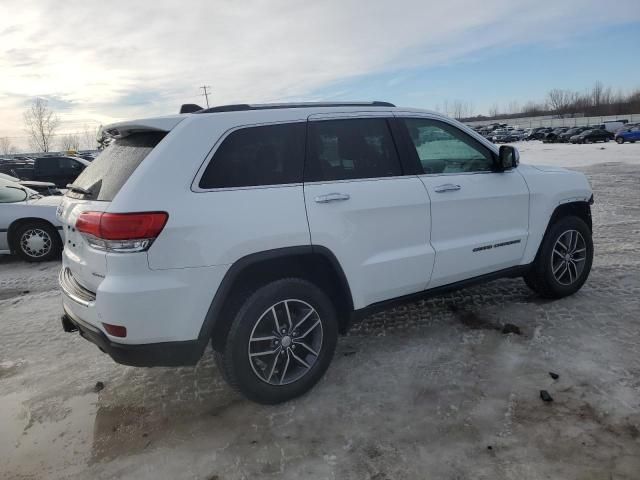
column 447, row 187
column 332, row 197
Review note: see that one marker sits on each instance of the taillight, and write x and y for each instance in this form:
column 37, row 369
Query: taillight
column 121, row 232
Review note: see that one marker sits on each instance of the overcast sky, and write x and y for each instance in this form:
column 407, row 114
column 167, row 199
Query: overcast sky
column 101, row 61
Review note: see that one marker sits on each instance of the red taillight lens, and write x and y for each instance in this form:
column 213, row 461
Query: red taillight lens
column 115, row 330
column 129, row 226
column 122, row 226
column 89, row 222
column 121, row 232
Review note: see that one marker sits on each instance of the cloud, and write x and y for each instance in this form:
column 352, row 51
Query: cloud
column 119, row 59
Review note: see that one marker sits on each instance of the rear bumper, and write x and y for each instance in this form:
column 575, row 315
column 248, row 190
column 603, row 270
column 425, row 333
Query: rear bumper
column 164, row 354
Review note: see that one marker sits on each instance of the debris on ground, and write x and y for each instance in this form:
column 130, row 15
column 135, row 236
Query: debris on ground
column 511, row 328
column 98, row 386
column 544, row 395
column 555, row 376
column 348, row 353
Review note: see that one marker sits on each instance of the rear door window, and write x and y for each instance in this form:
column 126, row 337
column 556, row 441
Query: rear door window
column 350, row 149
column 254, row 156
column 105, row 176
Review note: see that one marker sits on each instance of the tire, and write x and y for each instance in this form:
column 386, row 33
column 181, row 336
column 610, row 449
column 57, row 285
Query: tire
column 550, row 275
column 606, row 140
column 37, row 242
column 620, row 140
column 284, row 367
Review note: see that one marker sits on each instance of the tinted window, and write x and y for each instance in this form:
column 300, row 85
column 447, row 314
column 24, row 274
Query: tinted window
column 443, row 148
column 47, row 165
column 348, row 149
column 268, row 155
column 69, row 164
column 112, row 168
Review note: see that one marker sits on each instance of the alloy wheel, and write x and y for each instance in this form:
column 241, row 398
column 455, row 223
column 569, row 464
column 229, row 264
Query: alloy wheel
column 285, row 342
column 568, row 257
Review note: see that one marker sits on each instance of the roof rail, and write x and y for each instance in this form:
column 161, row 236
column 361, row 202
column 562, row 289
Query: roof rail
column 269, row 106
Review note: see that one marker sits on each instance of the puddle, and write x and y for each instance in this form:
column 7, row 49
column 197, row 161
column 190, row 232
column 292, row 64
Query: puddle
column 36, row 446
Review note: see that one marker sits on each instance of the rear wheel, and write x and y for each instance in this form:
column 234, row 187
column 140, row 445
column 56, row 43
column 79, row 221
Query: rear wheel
column 281, row 341
column 620, row 140
column 37, row 242
column 564, row 260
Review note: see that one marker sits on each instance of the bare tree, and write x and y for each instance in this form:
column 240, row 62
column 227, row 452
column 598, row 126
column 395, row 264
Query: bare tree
column 41, row 124
column 6, row 147
column 70, row 141
column 559, row 100
column 494, row 111
column 461, row 109
column 596, row 93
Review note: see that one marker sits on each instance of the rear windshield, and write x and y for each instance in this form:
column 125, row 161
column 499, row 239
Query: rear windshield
column 106, row 175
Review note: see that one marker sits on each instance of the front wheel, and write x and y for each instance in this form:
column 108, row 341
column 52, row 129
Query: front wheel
column 620, row 140
column 281, row 341
column 564, row 260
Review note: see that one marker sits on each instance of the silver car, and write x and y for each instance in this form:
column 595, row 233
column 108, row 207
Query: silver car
column 28, row 223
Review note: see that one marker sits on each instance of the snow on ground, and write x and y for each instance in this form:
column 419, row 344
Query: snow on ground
column 432, row 389
column 570, row 155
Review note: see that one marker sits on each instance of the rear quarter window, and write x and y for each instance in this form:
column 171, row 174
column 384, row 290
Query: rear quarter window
column 255, row 156
column 105, row 176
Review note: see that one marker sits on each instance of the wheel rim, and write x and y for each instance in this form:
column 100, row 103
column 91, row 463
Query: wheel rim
column 285, row 342
column 35, row 242
column 568, row 257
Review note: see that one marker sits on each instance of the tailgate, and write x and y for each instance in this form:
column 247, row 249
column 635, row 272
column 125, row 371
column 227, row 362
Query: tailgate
column 88, row 266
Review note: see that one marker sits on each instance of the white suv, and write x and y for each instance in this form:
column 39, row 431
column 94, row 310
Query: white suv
column 266, row 229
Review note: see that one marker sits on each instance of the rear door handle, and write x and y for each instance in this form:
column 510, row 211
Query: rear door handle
column 447, row 187
column 332, row 197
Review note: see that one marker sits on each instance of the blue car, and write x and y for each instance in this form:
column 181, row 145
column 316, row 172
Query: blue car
column 630, row 135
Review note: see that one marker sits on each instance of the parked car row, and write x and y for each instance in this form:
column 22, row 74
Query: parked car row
column 620, row 130
column 57, row 170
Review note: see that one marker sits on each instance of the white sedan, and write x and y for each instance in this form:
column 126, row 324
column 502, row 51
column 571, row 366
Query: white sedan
column 28, row 223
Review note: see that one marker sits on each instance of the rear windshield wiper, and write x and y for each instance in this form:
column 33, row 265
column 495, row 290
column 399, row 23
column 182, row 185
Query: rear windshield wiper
column 77, row 189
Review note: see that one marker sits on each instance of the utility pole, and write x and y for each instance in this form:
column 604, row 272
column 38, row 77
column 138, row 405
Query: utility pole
column 206, row 93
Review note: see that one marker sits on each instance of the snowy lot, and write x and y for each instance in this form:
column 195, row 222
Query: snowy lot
column 430, row 390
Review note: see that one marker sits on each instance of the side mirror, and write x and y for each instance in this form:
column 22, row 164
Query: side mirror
column 508, row 157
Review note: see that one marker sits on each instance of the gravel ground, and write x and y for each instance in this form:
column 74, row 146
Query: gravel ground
column 429, row 390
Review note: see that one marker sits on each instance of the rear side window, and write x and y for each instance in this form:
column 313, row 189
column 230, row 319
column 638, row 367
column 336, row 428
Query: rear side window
column 105, row 176
column 350, row 149
column 253, row 156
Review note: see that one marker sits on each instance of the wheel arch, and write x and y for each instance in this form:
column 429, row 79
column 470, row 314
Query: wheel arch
column 311, row 262
column 580, row 209
column 25, row 220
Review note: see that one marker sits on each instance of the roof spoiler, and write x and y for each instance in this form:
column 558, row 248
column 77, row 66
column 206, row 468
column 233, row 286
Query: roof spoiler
column 190, row 108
